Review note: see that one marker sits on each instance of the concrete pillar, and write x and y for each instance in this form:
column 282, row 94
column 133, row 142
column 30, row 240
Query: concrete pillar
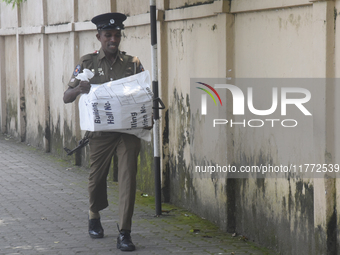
column 113, row 5
column 45, row 73
column 2, row 84
column 325, row 222
column 21, row 108
column 323, row 26
column 75, row 11
column 230, row 73
column 336, row 156
column 3, row 110
column 21, row 85
column 45, row 64
column 162, row 4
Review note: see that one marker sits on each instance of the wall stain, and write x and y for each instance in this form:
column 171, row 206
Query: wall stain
column 56, row 141
column 146, row 174
column 289, row 212
column 185, row 184
column 11, row 116
column 332, row 234
column 181, row 186
column 48, row 131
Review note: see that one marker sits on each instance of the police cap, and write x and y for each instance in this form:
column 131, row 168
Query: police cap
column 112, row 20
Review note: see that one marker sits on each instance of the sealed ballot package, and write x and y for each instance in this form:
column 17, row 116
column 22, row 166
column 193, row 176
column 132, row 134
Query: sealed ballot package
column 123, row 105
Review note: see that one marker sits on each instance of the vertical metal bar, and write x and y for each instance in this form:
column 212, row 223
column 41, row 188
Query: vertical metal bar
column 156, row 135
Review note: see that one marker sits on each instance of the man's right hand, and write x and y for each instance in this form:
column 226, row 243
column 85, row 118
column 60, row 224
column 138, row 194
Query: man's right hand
column 84, row 87
column 71, row 93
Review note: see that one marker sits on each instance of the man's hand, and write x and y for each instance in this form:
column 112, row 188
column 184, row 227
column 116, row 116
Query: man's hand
column 71, row 93
column 150, row 127
column 84, row 87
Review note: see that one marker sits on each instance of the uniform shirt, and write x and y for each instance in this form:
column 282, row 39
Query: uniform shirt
column 123, row 66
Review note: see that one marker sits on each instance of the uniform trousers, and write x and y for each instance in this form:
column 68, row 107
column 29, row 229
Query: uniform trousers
column 102, row 147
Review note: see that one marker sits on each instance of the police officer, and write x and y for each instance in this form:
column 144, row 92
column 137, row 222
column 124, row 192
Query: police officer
column 109, row 64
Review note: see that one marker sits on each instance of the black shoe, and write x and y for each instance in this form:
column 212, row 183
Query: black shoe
column 124, row 242
column 95, row 228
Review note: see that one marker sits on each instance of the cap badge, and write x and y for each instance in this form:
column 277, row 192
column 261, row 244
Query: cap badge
column 112, row 21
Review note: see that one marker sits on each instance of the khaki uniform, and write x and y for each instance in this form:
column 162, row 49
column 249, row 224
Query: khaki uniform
column 104, row 144
column 124, row 66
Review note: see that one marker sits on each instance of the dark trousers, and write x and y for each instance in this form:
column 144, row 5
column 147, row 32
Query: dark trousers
column 102, row 147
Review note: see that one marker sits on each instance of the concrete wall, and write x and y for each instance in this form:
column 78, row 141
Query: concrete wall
column 289, row 42
column 43, row 40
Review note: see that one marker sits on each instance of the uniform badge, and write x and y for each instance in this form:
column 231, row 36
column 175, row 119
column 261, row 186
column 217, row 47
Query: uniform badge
column 76, row 71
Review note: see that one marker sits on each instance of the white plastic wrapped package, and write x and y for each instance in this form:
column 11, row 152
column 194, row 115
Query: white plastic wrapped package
column 123, row 105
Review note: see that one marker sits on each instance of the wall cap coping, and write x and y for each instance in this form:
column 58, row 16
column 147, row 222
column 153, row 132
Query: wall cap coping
column 84, row 26
column 251, row 6
column 199, row 11
column 8, row 31
column 61, row 28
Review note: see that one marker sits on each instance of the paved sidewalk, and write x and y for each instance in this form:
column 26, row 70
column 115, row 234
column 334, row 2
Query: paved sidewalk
column 44, row 209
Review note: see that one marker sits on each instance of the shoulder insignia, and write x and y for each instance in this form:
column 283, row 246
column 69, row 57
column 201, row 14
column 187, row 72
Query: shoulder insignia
column 141, row 68
column 76, row 70
column 86, row 57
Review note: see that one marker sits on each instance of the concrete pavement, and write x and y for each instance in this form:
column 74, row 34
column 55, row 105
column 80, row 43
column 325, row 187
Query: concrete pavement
column 44, row 206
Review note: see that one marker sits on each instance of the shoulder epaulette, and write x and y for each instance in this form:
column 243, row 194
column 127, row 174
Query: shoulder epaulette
column 89, row 56
column 86, row 57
